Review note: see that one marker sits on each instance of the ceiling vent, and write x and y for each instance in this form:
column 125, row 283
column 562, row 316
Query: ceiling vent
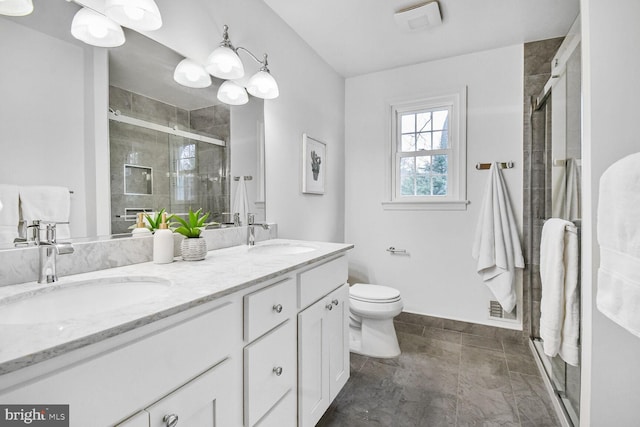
column 419, row 16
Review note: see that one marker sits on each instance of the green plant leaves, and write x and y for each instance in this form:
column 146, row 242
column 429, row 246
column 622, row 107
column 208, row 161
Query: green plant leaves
column 193, row 225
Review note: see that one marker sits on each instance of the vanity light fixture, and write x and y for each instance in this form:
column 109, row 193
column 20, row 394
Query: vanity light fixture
column 232, row 93
column 191, row 74
column 96, row 29
column 16, row 7
column 224, row 63
column 139, row 15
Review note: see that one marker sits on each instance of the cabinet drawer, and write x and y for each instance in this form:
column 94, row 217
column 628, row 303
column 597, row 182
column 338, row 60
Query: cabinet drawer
column 267, row 308
column 270, row 371
column 317, row 282
column 284, row 414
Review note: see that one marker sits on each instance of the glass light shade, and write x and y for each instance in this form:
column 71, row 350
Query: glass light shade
column 140, row 15
column 96, row 29
column 191, row 74
column 263, row 85
column 224, row 63
column 232, row 93
column 16, row 7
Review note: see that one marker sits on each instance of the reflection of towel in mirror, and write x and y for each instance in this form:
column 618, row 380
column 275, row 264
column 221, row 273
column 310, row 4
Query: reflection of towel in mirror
column 560, row 309
column 496, row 246
column 240, row 201
column 566, row 191
column 47, row 204
column 619, row 238
column 9, row 213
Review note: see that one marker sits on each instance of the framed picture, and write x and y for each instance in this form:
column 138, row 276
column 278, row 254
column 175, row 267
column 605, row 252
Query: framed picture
column 314, row 165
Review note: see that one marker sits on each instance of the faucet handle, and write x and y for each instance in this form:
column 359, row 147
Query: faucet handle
column 51, row 232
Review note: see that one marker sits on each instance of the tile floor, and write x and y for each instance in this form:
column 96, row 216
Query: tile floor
column 444, row 378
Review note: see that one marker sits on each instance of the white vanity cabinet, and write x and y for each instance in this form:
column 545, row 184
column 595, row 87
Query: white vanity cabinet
column 323, row 342
column 272, row 354
column 168, row 361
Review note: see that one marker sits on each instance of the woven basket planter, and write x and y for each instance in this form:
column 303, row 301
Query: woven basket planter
column 194, row 249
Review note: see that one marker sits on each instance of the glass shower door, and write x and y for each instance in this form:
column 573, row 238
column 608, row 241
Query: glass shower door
column 556, row 127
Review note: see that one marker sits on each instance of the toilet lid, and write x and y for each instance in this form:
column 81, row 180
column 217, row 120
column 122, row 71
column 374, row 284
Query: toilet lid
column 377, row 293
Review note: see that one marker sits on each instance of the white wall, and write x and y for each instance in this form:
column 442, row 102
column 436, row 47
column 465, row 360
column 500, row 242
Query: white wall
column 43, row 115
column 439, row 277
column 611, row 89
column 311, row 100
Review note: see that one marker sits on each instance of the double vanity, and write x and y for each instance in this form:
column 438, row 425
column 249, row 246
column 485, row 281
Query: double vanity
column 251, row 336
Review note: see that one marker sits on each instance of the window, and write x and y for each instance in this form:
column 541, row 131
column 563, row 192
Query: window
column 428, row 147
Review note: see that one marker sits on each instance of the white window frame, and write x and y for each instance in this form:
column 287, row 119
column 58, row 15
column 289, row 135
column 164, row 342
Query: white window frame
column 456, row 103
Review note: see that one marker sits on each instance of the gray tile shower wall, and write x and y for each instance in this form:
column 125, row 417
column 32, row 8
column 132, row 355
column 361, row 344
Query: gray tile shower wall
column 185, row 173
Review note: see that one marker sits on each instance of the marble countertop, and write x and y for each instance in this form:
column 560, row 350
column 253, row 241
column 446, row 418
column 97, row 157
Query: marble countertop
column 189, row 284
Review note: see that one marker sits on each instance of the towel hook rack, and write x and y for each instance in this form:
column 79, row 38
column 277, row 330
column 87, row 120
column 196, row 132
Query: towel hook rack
column 503, row 165
column 246, row 178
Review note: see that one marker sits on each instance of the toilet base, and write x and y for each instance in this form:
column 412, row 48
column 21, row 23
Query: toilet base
column 373, row 338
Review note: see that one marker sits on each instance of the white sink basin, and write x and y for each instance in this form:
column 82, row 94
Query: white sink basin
column 79, row 300
column 280, row 249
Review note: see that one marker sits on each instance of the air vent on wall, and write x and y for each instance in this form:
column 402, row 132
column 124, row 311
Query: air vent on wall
column 419, row 16
column 495, row 310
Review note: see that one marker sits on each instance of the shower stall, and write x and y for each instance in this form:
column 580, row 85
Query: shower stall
column 552, row 189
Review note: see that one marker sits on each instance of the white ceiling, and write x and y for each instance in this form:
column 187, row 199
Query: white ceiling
column 360, row 36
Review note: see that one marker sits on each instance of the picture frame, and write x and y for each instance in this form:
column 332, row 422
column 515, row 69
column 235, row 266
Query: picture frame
column 314, row 165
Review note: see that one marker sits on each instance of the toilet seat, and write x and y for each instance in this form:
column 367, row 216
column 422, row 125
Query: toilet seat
column 373, row 293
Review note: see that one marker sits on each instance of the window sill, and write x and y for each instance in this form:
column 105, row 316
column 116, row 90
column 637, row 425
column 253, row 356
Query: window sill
column 434, row 205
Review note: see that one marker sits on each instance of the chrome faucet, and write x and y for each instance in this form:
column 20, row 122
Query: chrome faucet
column 49, row 249
column 251, row 232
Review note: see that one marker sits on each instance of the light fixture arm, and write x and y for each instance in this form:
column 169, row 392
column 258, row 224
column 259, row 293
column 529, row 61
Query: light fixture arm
column 264, row 63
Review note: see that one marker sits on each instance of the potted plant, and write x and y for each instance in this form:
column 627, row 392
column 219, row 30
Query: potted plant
column 193, row 247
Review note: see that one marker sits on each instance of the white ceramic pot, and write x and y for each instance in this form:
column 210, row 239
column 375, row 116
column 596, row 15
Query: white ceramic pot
column 193, row 249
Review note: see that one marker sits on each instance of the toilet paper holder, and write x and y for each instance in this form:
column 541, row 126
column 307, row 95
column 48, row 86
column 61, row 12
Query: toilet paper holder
column 396, row 251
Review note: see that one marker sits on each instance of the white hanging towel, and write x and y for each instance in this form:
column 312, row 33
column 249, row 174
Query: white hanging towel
column 560, row 309
column 240, row 202
column 618, row 219
column 496, row 246
column 9, row 213
column 47, row 203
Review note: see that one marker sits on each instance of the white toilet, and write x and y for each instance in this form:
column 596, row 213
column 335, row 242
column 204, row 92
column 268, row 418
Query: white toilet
column 372, row 309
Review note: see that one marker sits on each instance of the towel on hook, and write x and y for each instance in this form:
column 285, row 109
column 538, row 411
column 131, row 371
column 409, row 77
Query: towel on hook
column 9, row 213
column 240, row 201
column 560, row 304
column 496, row 246
column 47, row 203
column 618, row 294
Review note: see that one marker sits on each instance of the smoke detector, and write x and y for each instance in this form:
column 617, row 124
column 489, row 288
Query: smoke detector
column 419, row 16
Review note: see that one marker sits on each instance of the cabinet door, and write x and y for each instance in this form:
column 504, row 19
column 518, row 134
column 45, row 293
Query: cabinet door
column 205, row 401
column 313, row 363
column 338, row 341
column 270, row 371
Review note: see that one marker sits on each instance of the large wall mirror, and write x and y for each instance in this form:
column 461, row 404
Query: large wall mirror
column 66, row 107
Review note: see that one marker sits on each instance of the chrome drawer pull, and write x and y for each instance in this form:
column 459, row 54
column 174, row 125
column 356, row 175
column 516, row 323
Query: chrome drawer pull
column 277, row 308
column 278, row 370
column 335, row 302
column 329, row 306
column 171, row 420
